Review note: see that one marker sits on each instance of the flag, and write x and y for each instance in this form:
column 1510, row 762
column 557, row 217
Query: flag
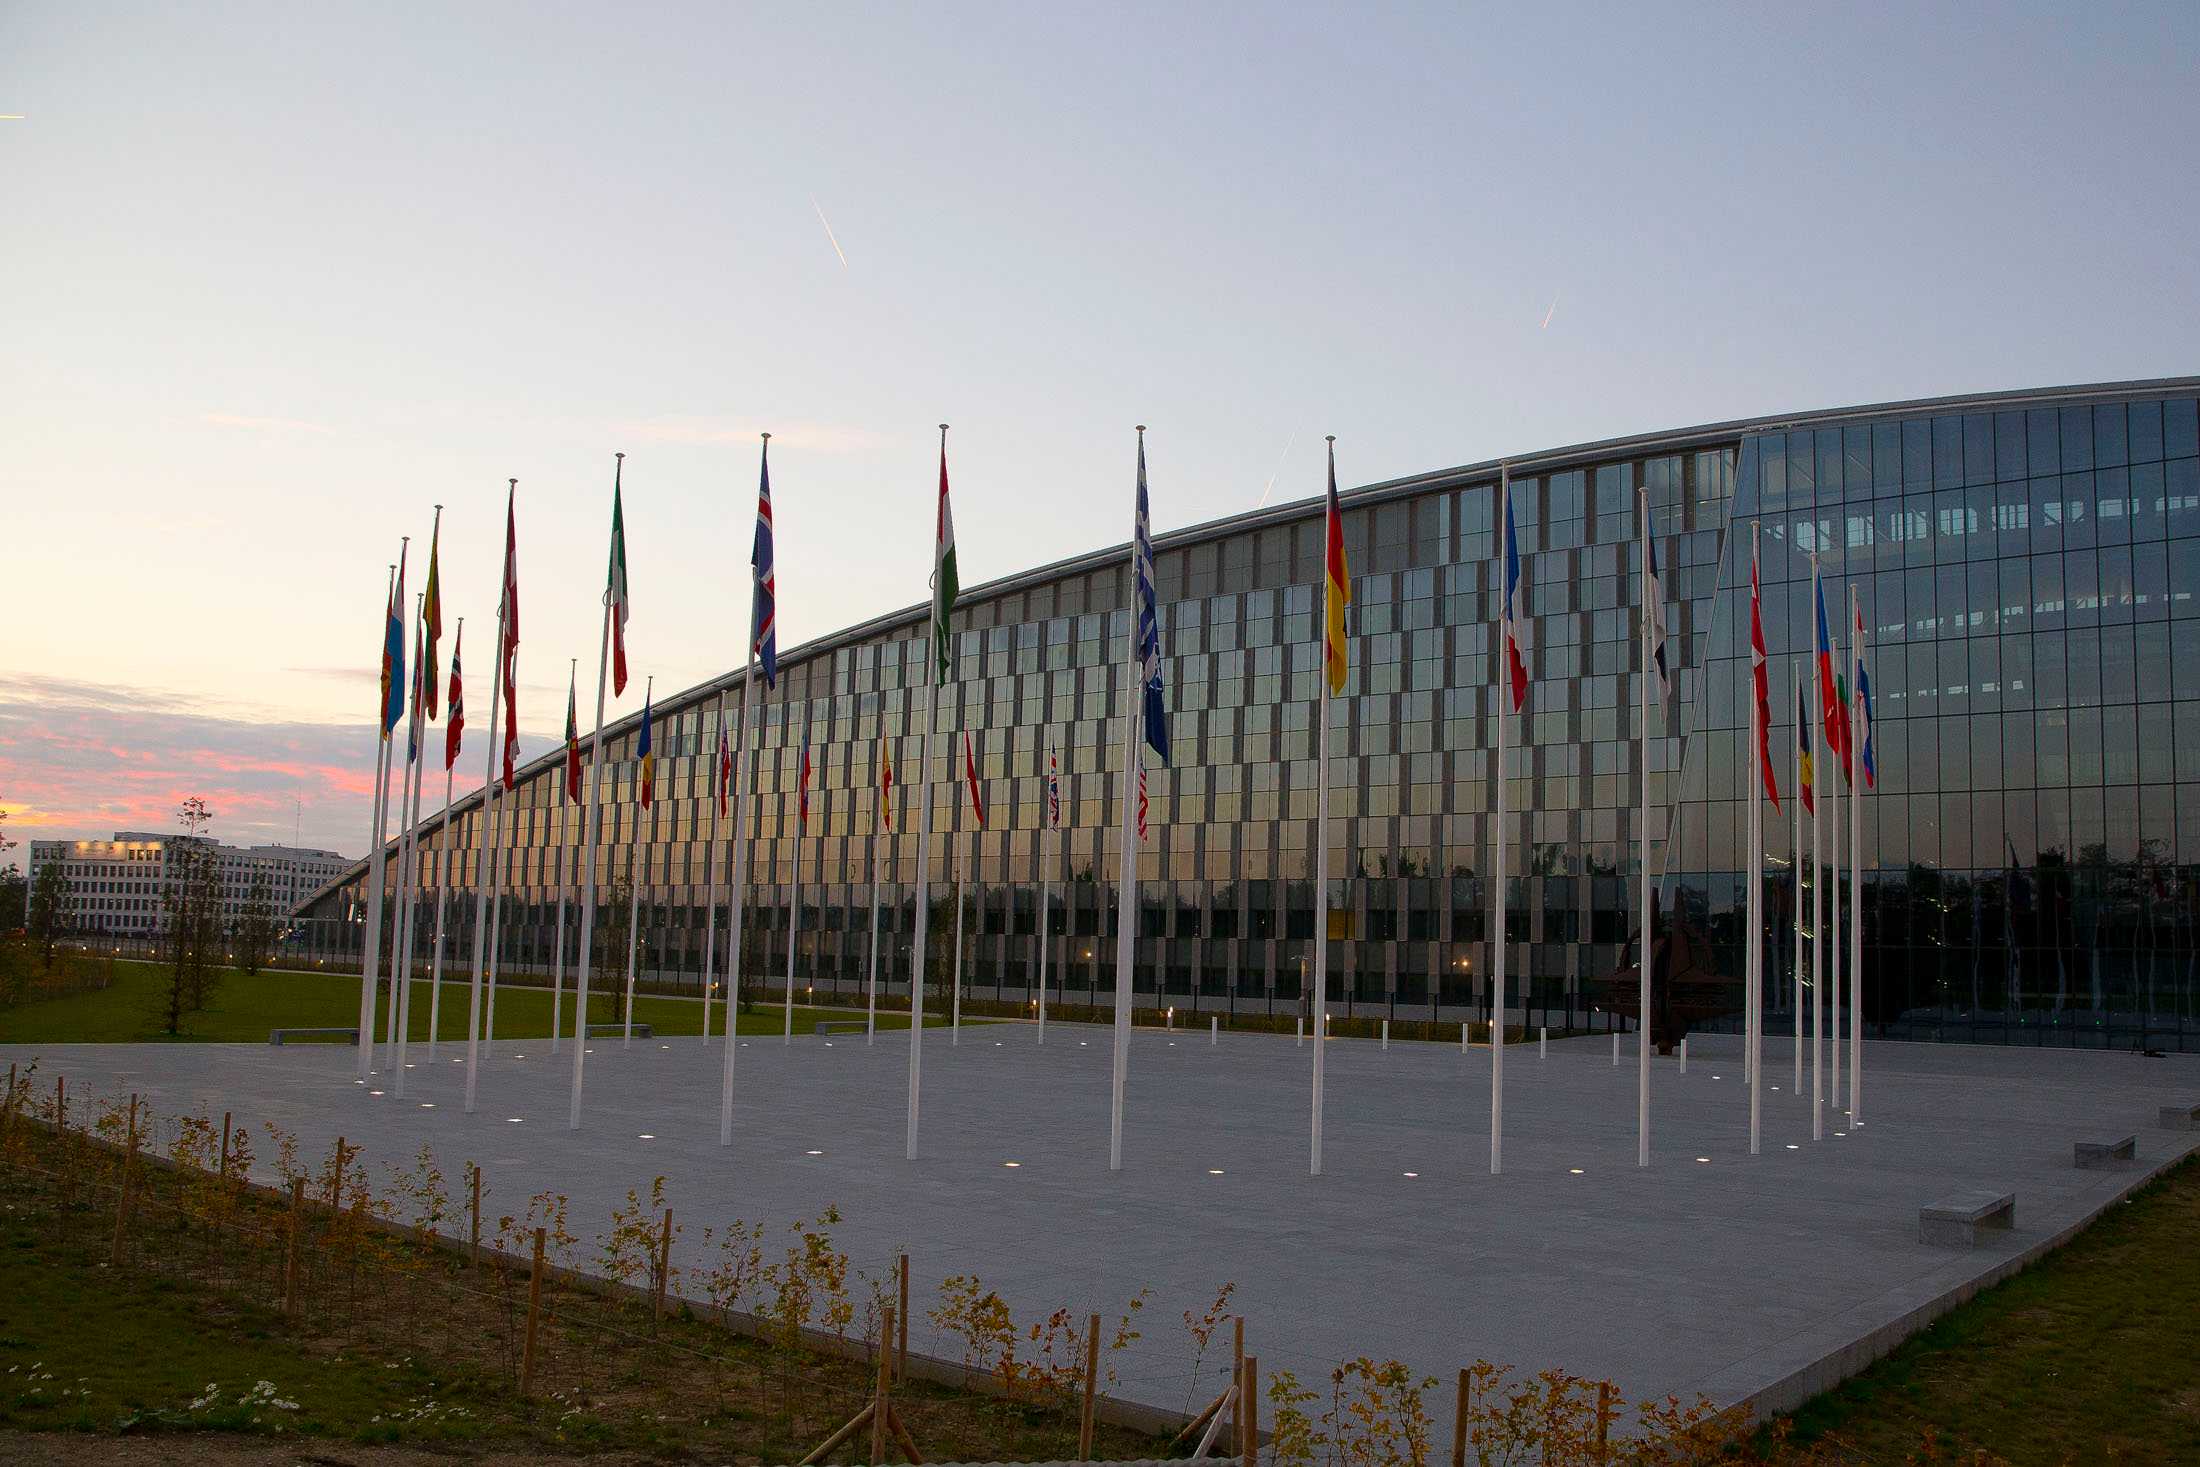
column 431, row 612
column 615, row 586
column 970, row 778
column 1760, row 678
column 725, row 768
column 1149, row 623
column 1864, row 752
column 454, row 728
column 1141, row 796
column 1336, row 589
column 1054, row 790
column 646, row 760
column 1806, row 776
column 1653, row 599
column 802, row 785
column 509, row 621
column 419, row 698
column 1829, row 684
column 885, row 785
column 393, row 652
column 1517, row 627
column 945, row 586
column 572, row 744
column 764, row 605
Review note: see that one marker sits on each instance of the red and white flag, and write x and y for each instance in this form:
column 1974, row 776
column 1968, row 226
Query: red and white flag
column 970, row 778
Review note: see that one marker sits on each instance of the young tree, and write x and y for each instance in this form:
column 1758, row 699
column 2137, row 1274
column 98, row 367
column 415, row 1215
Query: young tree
column 252, row 936
column 14, row 899
column 193, row 902
column 49, row 909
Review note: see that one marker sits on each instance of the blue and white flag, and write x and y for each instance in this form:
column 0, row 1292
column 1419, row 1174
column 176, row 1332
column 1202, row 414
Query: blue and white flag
column 1149, row 624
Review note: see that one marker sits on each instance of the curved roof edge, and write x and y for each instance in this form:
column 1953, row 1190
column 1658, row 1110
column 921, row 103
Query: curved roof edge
column 1671, row 440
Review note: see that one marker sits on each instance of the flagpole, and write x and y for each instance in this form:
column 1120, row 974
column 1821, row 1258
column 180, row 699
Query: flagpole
column 1642, row 837
column 482, row 851
column 1795, row 853
column 1126, row 891
column 1319, row 1004
column 794, row 910
column 1834, row 953
column 1497, row 860
column 444, row 858
column 1046, row 879
column 408, row 858
column 370, row 964
column 637, row 855
column 1856, row 863
column 1754, row 1008
column 496, row 802
column 962, row 879
column 591, row 829
column 870, row 1006
column 938, row 630
column 710, row 891
column 1817, row 899
column 737, row 897
column 565, row 868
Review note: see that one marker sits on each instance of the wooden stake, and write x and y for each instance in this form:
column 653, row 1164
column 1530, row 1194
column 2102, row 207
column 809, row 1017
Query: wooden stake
column 336, row 1180
column 473, row 1238
column 224, row 1172
column 122, row 1192
column 902, row 1436
column 879, row 1400
column 901, row 1338
column 664, row 1270
column 1459, row 1422
column 834, row 1442
column 1237, row 1379
column 7, row 1108
column 60, row 1103
column 534, row 1316
column 1092, row 1381
column 1251, row 1396
column 290, row 1248
column 1604, row 1421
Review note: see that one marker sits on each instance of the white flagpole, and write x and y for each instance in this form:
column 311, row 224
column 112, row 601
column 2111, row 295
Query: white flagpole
column 1795, row 850
column 1497, row 861
column 870, row 1003
column 1642, row 837
column 710, row 894
column 591, row 837
column 1320, row 1001
column 1046, row 892
column 924, row 903
column 482, row 851
column 737, row 898
column 1754, row 967
column 446, row 854
column 1834, row 953
column 1856, row 866
column 637, row 855
column 408, row 859
column 1126, row 889
column 370, row 957
column 1817, row 898
column 794, row 909
column 962, row 879
column 497, row 800
column 557, row 953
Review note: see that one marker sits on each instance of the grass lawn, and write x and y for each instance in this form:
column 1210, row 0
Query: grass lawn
column 247, row 1006
column 2093, row 1355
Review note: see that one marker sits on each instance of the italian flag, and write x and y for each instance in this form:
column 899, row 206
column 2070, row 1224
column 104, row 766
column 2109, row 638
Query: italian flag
column 945, row 587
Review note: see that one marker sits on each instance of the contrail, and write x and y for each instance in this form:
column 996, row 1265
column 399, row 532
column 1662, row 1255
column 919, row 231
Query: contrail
column 1278, row 469
column 829, row 232
column 1550, row 313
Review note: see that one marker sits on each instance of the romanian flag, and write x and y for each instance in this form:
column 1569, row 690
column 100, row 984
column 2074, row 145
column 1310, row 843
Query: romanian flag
column 1760, row 678
column 1336, row 588
column 454, row 728
column 614, row 593
column 885, row 785
column 646, row 760
column 431, row 613
column 1806, row 769
column 1831, row 702
column 572, row 743
column 970, row 778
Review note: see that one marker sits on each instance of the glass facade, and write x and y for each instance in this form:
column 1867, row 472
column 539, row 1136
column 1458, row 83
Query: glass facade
column 2026, row 566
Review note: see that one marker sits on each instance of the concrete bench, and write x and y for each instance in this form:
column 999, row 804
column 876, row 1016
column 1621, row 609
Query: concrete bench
column 2181, row 1117
column 618, row 1031
column 285, row 1036
column 2087, row 1155
column 840, row 1026
column 1957, row 1221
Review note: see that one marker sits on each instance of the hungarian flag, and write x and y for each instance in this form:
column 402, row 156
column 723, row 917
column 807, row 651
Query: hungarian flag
column 1054, row 790
column 1336, row 588
column 1513, row 613
column 802, row 786
column 508, row 620
column 1154, row 708
column 945, row 585
column 393, row 652
column 764, row 606
column 1653, row 603
column 885, row 785
column 1760, row 679
column 970, row 778
column 725, row 769
column 615, row 587
column 431, row 612
column 572, row 744
column 1806, row 768
column 1829, row 684
column 454, row 729
column 1864, row 754
column 646, row 759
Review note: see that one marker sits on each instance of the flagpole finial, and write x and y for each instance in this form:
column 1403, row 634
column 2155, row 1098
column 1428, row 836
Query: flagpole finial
column 1141, row 429
column 1329, row 438
column 511, row 483
column 767, row 437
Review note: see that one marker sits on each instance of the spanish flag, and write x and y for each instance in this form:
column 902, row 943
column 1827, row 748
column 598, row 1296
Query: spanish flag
column 1337, row 589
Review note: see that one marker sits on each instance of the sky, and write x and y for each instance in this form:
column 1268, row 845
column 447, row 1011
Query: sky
column 276, row 280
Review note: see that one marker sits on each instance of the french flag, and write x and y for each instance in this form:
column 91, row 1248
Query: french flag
column 1517, row 627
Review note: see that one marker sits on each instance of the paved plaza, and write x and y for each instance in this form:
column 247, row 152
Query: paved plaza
column 1711, row 1272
